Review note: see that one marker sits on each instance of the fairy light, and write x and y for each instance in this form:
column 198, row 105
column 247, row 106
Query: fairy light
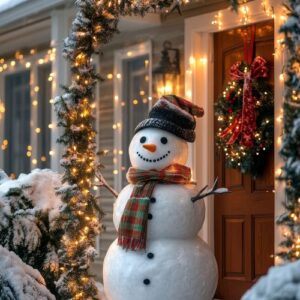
column 218, row 20
column 245, row 14
column 192, row 61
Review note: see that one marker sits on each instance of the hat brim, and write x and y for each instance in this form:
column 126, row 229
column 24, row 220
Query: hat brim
column 186, row 134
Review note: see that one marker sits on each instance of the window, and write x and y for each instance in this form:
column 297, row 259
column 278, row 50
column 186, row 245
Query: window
column 26, row 88
column 44, row 117
column 132, row 101
column 17, row 122
column 135, row 99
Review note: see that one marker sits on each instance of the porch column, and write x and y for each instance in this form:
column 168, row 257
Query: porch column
column 59, row 31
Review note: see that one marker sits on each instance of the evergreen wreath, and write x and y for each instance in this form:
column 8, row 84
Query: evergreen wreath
column 245, row 114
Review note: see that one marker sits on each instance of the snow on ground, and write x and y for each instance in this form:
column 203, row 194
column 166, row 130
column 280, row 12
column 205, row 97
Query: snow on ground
column 7, row 4
column 101, row 295
column 281, row 283
column 19, row 281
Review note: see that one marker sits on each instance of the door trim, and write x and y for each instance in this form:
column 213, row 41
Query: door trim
column 199, row 62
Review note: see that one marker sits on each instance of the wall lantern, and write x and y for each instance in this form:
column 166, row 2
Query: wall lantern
column 166, row 74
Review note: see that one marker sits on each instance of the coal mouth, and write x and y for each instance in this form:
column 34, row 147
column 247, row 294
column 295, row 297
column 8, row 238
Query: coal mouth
column 153, row 160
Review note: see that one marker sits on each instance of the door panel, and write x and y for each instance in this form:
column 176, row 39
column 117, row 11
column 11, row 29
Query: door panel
column 244, row 218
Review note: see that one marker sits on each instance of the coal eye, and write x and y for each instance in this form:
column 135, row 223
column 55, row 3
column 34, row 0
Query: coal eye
column 143, row 139
column 164, row 140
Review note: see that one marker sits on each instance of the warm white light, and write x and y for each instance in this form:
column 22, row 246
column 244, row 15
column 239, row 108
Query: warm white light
column 192, row 60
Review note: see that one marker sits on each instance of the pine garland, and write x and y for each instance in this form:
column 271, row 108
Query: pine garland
column 95, row 24
column 234, row 4
column 290, row 151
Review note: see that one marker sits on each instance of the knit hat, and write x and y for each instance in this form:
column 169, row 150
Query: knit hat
column 175, row 115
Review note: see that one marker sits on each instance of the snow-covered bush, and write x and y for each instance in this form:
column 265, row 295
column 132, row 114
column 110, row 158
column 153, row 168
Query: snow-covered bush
column 19, row 281
column 29, row 207
column 281, row 282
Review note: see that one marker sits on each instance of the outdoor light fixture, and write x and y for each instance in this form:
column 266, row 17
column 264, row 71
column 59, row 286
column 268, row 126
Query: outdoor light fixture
column 166, row 74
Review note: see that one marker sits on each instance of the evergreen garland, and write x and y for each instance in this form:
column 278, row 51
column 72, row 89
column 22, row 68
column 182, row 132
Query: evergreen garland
column 234, row 4
column 290, row 151
column 94, row 25
column 228, row 107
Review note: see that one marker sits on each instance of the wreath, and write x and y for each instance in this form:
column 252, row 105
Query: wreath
column 245, row 115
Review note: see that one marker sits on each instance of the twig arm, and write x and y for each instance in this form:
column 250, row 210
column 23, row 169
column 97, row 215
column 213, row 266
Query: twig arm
column 104, row 183
column 213, row 191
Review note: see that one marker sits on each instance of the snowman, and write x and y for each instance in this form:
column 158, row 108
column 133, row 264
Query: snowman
column 158, row 254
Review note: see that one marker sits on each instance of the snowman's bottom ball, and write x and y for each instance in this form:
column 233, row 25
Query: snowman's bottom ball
column 169, row 270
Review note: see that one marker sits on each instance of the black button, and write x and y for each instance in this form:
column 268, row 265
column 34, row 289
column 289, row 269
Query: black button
column 152, row 200
column 150, row 255
column 150, row 216
column 146, row 281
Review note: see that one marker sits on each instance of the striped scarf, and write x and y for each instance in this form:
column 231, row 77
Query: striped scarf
column 132, row 233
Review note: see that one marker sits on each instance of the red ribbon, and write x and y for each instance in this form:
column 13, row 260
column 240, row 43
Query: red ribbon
column 244, row 123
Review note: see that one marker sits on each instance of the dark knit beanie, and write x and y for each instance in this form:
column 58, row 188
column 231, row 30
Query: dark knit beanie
column 175, row 115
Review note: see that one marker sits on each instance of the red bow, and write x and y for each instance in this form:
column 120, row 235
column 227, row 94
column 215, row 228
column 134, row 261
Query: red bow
column 245, row 122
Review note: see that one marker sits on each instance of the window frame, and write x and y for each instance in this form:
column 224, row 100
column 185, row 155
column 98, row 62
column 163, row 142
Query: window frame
column 20, row 67
column 120, row 56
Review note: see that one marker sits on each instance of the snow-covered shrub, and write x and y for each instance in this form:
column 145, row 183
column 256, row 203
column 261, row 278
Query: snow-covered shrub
column 29, row 207
column 281, row 282
column 19, row 281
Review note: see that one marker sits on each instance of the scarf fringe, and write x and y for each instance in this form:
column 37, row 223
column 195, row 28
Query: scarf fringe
column 129, row 243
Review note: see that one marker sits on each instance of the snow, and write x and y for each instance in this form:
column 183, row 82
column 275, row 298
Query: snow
column 174, row 151
column 29, row 207
column 19, row 281
column 7, row 4
column 174, row 214
column 180, row 270
column 281, row 282
column 101, row 294
column 182, row 266
column 42, row 186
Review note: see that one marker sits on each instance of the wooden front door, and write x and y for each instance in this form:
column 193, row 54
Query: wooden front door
column 244, row 218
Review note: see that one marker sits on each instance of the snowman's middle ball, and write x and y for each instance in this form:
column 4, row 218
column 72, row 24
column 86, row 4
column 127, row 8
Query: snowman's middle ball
column 156, row 149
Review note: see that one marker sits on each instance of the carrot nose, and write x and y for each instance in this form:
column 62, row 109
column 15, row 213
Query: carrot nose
column 150, row 147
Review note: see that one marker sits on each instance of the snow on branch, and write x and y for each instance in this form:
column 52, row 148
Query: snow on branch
column 282, row 282
column 19, row 281
column 29, row 210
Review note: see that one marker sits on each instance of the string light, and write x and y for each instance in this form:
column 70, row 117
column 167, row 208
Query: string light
column 218, row 20
column 245, row 14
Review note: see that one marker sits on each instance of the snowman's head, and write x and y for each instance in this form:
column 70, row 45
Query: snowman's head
column 153, row 148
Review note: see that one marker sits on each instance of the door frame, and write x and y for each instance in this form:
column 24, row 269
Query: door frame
column 199, row 88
